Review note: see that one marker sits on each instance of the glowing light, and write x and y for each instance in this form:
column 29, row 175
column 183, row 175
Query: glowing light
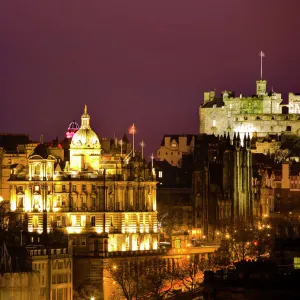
column 99, row 230
column 114, row 267
column 72, row 229
column 1, row 198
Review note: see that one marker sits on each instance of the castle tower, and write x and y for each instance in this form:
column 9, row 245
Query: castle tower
column 261, row 87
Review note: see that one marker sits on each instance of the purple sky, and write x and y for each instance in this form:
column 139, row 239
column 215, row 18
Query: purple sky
column 143, row 61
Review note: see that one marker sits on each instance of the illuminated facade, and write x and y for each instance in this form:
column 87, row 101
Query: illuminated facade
column 174, row 146
column 55, row 267
column 106, row 202
column 261, row 114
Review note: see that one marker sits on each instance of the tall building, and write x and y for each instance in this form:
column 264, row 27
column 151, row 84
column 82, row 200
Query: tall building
column 222, row 185
column 259, row 115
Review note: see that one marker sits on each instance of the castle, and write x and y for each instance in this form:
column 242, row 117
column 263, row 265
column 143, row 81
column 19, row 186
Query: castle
column 259, row 115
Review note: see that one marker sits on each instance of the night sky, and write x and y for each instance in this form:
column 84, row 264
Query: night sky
column 147, row 61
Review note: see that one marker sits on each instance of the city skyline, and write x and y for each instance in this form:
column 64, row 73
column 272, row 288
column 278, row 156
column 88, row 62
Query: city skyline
column 147, row 63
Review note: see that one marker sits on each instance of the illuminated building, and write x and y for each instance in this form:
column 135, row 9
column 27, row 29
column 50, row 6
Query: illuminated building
column 55, row 269
column 261, row 114
column 173, row 147
column 112, row 196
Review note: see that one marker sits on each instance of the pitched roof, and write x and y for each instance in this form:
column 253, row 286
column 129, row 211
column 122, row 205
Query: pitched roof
column 176, row 138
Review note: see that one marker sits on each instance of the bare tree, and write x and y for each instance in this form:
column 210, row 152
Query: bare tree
column 159, row 280
column 191, row 272
column 127, row 274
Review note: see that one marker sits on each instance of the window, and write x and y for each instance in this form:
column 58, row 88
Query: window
column 214, row 123
column 53, row 279
column 93, row 221
column 288, row 128
column 74, row 188
column 58, row 201
column 63, row 188
column 35, row 221
column 82, row 221
column 82, row 242
column 73, row 220
column 93, row 187
column 83, row 201
column 296, row 262
column 36, row 188
column 160, row 174
column 245, row 118
column 53, row 294
column 19, row 189
column 84, row 187
column 171, row 153
column 63, row 221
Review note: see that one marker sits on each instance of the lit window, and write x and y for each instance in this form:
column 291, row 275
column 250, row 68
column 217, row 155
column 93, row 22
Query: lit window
column 296, row 262
column 83, row 221
column 174, row 145
column 36, row 188
column 73, row 220
column 159, row 174
column 214, row 123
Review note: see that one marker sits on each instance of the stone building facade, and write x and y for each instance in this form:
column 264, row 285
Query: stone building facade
column 55, row 268
column 261, row 114
column 222, row 185
column 173, row 147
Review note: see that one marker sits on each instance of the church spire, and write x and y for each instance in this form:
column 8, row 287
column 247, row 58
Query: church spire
column 85, row 109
